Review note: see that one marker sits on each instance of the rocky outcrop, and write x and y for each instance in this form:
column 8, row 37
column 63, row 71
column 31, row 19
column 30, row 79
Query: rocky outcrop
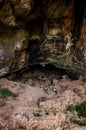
column 42, row 32
column 13, row 43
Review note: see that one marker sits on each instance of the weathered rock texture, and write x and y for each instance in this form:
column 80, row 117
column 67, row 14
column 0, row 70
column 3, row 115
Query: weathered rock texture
column 42, row 32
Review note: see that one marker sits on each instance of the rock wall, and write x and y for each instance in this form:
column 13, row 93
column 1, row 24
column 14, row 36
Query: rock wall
column 42, row 32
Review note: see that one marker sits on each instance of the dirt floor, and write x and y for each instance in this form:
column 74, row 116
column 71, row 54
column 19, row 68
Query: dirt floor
column 42, row 97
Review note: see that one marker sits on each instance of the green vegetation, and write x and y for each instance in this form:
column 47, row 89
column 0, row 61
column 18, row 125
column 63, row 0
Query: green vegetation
column 53, row 111
column 4, row 93
column 46, row 112
column 71, row 108
column 79, row 122
column 81, row 109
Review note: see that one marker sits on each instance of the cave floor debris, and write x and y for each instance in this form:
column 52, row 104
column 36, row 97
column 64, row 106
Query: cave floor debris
column 43, row 96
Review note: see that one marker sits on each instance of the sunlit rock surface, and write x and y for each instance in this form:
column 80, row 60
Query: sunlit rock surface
column 42, row 32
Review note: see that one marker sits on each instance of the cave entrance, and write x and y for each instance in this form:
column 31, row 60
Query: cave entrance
column 36, row 28
column 38, row 74
column 36, row 55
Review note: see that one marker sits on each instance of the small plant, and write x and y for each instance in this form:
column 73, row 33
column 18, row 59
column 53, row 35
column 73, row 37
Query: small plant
column 79, row 122
column 81, row 109
column 53, row 111
column 71, row 108
column 4, row 93
column 63, row 111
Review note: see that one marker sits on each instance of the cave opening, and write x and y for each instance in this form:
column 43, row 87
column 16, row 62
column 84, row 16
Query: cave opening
column 45, row 71
column 41, row 67
column 38, row 26
column 54, row 47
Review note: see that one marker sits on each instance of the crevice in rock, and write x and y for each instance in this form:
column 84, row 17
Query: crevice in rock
column 79, row 7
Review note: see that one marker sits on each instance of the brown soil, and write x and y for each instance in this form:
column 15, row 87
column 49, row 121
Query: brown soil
column 41, row 92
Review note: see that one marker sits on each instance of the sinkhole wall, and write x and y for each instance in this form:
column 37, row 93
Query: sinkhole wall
column 43, row 32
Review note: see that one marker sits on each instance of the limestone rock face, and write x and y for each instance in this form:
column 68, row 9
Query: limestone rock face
column 42, row 32
column 12, row 50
